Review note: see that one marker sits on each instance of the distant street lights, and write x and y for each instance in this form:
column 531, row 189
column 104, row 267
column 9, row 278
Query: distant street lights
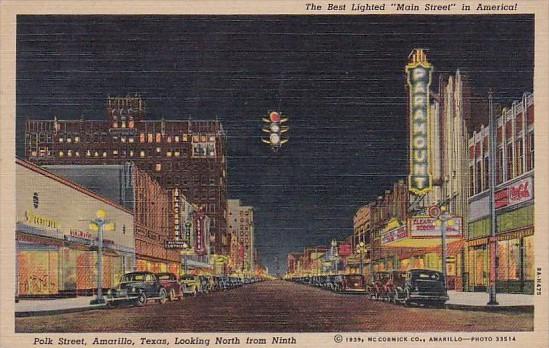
column 100, row 224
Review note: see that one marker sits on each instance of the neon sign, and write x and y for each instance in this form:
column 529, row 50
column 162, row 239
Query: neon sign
column 419, row 80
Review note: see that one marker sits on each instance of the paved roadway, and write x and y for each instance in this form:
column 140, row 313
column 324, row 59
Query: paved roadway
column 275, row 306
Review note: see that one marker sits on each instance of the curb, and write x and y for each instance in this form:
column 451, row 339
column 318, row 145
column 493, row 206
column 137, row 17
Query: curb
column 493, row 309
column 24, row 314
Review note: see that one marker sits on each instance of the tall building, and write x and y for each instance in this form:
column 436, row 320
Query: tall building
column 186, row 154
column 514, row 201
column 240, row 222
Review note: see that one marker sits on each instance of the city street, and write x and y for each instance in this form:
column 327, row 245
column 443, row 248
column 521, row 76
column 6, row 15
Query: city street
column 275, row 306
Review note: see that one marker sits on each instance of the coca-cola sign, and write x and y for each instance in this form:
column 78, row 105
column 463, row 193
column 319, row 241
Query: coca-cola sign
column 518, row 192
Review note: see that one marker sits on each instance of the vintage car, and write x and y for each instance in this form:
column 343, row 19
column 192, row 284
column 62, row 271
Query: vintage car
column 376, row 288
column 352, row 283
column 396, row 281
column 206, row 284
column 422, row 286
column 171, row 284
column 190, row 283
column 138, row 288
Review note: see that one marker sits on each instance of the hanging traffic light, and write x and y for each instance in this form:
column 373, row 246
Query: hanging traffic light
column 277, row 134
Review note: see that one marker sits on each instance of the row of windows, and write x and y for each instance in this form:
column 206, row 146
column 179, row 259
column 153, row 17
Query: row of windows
column 143, row 138
column 511, row 161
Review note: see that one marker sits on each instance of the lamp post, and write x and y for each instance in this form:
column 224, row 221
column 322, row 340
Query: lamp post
column 360, row 249
column 100, row 224
column 335, row 256
column 444, row 217
column 492, row 175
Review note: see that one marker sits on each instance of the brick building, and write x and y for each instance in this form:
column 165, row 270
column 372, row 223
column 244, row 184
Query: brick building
column 184, row 154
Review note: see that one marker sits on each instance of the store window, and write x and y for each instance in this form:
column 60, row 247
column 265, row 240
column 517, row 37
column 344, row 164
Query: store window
column 530, row 162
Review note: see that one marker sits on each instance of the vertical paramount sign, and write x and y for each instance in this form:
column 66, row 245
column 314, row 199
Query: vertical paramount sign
column 418, row 73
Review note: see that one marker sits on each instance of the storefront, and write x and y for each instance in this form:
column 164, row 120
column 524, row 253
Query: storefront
column 417, row 244
column 515, row 240
column 56, row 249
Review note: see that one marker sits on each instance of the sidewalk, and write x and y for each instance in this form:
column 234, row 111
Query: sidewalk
column 32, row 307
column 479, row 300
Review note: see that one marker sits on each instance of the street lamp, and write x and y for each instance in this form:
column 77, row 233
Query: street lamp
column 100, row 224
column 444, row 220
column 360, row 249
column 493, row 221
column 335, row 256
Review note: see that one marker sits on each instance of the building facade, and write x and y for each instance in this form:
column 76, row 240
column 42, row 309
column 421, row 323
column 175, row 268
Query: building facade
column 240, row 223
column 186, row 154
column 514, row 202
column 134, row 189
column 56, row 249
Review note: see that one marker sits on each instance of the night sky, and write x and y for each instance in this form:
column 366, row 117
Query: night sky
column 339, row 79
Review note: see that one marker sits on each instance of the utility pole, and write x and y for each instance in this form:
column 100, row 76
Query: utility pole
column 492, row 175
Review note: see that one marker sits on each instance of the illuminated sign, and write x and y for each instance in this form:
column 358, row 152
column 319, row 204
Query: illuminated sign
column 426, row 226
column 43, row 221
column 518, row 192
column 419, row 80
column 395, row 234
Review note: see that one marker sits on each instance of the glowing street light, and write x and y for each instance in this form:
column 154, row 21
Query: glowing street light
column 100, row 224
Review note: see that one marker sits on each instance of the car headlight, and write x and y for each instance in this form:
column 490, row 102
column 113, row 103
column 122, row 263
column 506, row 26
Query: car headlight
column 109, row 292
column 416, row 289
column 133, row 289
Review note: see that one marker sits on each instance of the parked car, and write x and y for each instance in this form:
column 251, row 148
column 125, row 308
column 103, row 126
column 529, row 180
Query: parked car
column 190, row 284
column 376, row 288
column 423, row 286
column 205, row 284
column 138, row 288
column 223, row 283
column 171, row 284
column 353, row 283
column 395, row 282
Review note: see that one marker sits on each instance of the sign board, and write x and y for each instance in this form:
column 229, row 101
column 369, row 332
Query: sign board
column 395, row 234
column 418, row 73
column 345, row 250
column 434, row 211
column 425, row 226
column 518, row 192
column 176, row 244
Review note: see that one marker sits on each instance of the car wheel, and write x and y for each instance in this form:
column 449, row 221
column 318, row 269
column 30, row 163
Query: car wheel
column 172, row 295
column 141, row 300
column 395, row 297
column 163, row 296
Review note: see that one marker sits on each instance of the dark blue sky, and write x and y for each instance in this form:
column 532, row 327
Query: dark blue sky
column 339, row 79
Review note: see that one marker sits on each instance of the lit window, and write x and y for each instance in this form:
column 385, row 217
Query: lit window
column 123, row 124
column 158, row 137
column 204, row 138
column 123, row 139
column 115, row 125
column 130, row 140
column 69, row 140
column 142, row 154
column 105, row 154
column 212, row 138
column 149, row 138
column 69, row 153
column 60, row 140
column 115, row 152
column 130, row 124
column 158, row 167
column 176, row 138
column 185, row 137
column 141, row 138
column 176, row 153
column 61, row 154
column 33, row 153
column 158, row 149
column 169, row 140
column 76, row 139
column 96, row 154
column 169, row 154
column 77, row 154
column 88, row 153
column 131, row 153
